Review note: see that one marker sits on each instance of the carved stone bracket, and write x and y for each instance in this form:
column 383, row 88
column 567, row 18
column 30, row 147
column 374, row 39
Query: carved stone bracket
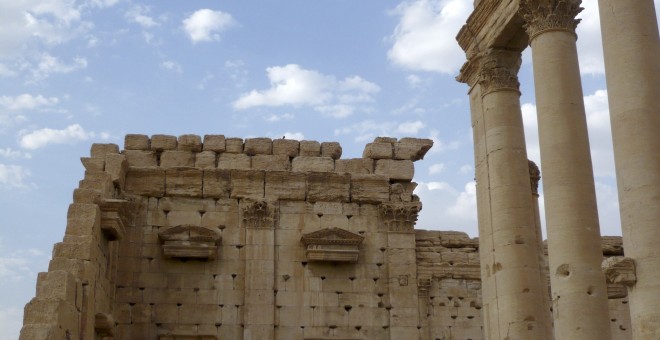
column 499, row 70
column 534, row 177
column 620, row 270
column 332, row 244
column 549, row 15
column 258, row 214
column 400, row 216
column 104, row 325
column 187, row 241
column 113, row 214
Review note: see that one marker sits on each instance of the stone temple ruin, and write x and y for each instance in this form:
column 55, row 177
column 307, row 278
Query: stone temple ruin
column 223, row 238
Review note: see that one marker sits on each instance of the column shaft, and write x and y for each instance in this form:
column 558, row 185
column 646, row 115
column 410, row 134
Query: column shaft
column 579, row 292
column 632, row 49
column 514, row 297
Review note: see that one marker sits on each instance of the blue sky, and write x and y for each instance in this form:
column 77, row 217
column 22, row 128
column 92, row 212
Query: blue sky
column 77, row 72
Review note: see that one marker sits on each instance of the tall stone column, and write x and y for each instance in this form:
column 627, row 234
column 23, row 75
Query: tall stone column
column 579, row 293
column 514, row 297
column 632, row 49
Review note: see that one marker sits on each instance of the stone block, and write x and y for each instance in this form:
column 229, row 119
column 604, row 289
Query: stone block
column 234, row 145
column 396, row 170
column 87, row 196
column 99, row 150
column 234, row 161
column 214, row 143
column 93, row 164
column 141, row 158
column 370, row 189
column 328, row 187
column 183, row 181
column 355, row 165
column 285, row 185
column 136, row 142
column 390, row 140
column 309, row 164
column 189, row 143
column 271, row 162
column 205, row 159
column 288, row 147
column 51, row 312
column 412, row 149
column 163, row 142
column 247, row 184
column 378, row 151
column 117, row 166
column 258, row 146
column 170, row 159
column 83, row 219
column 216, row 183
column 310, row 148
column 146, row 182
column 331, row 149
column 58, row 285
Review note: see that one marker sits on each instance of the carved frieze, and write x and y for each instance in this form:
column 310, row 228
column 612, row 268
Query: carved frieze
column 549, row 15
column 620, row 270
column 499, row 70
column 534, row 177
column 400, row 216
column 332, row 244
column 258, row 214
column 187, row 241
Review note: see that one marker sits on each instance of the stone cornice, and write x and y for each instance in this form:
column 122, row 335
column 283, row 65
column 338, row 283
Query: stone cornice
column 499, row 70
column 549, row 15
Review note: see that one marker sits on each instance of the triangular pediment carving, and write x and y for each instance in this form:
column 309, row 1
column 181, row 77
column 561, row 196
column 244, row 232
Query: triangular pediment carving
column 189, row 241
column 332, row 244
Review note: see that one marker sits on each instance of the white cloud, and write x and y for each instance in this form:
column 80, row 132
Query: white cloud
column 237, row 72
column 439, row 145
column 42, row 137
column 436, row 168
column 294, row 135
column 206, row 25
column 446, row 208
column 12, row 176
column 410, row 128
column 421, row 41
column 138, row 14
column 102, row 3
column 27, row 102
column 466, row 169
column 295, row 86
column 49, row 64
column 171, row 66
column 413, row 80
column 273, row 118
column 14, row 154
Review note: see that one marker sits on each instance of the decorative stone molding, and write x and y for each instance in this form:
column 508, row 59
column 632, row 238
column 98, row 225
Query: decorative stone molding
column 112, row 218
column 332, row 244
column 258, row 214
column 620, row 270
column 400, row 216
column 549, row 15
column 499, row 70
column 104, row 325
column 187, row 241
column 534, row 177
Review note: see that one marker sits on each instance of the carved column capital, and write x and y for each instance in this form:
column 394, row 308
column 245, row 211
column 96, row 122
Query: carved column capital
column 534, row 177
column 499, row 70
column 549, row 15
column 400, row 216
column 258, row 214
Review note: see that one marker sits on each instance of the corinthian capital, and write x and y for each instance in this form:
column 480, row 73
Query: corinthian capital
column 499, row 70
column 549, row 15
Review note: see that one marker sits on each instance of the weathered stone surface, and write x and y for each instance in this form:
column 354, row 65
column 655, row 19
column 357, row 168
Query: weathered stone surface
column 395, row 170
column 258, row 146
column 316, row 164
column 331, row 149
column 310, row 148
column 183, row 181
column 247, row 184
column 619, row 269
column 234, row 145
column 370, row 188
column 93, row 164
column 205, row 159
column 136, row 142
column 355, row 165
column 146, row 182
column 288, row 147
column 163, row 142
column 170, row 159
column 285, row 185
column 378, row 151
column 116, row 165
column 140, row 158
column 189, row 143
column 234, row 161
column 271, row 162
column 100, row 150
column 214, row 143
column 217, row 183
column 328, row 187
column 412, row 149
